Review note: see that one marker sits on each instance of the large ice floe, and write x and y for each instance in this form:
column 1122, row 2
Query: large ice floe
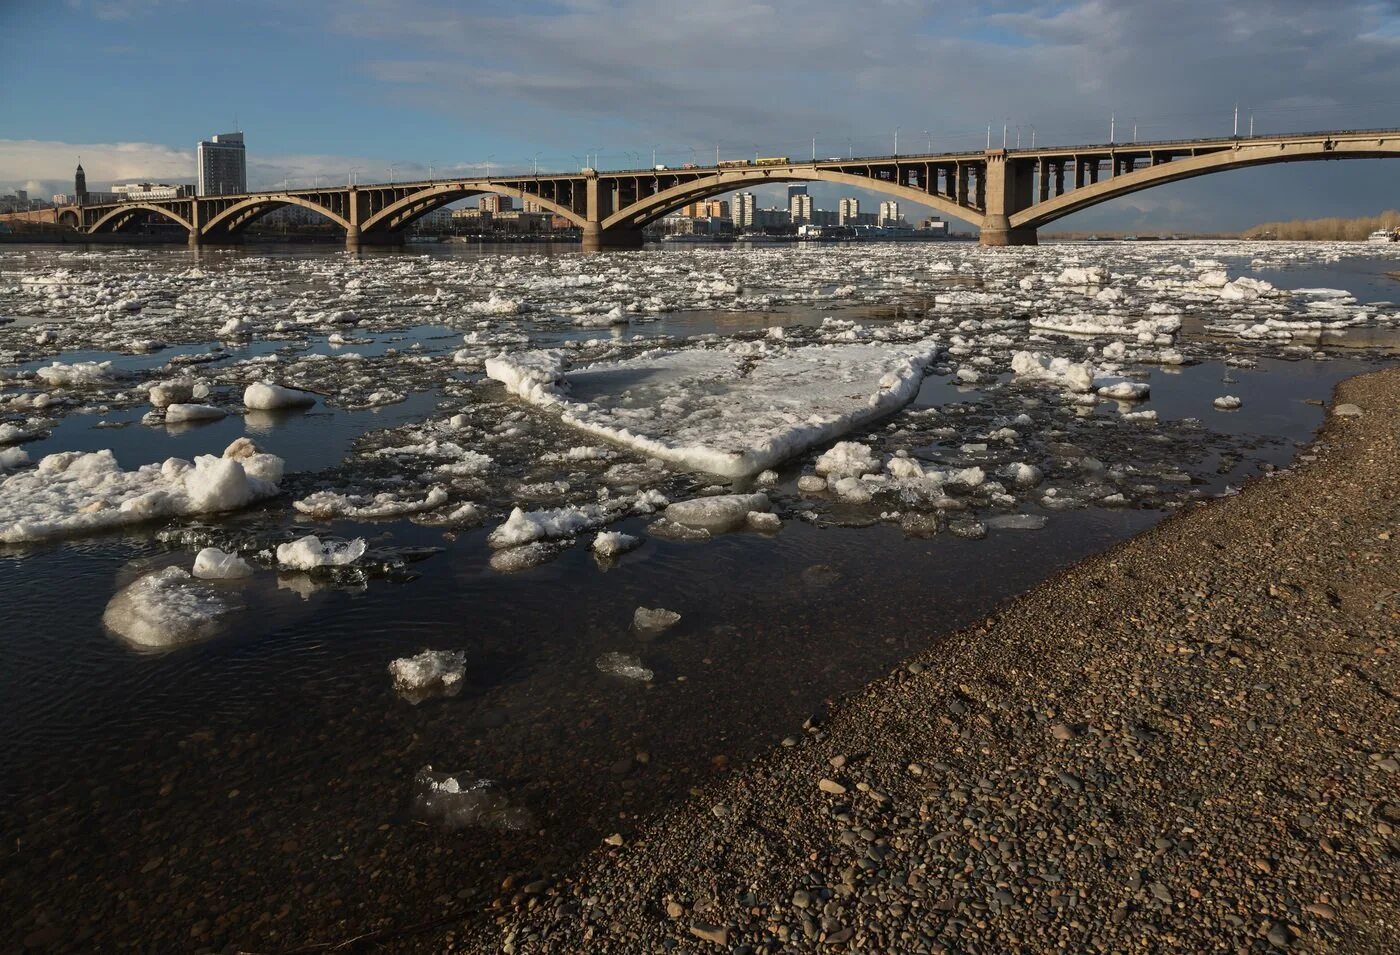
column 77, row 493
column 733, row 410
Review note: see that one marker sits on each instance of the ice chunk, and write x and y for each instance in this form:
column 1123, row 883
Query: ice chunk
column 763, row 521
column 1022, row 475
column 178, row 413
column 171, row 392
column 74, row 492
column 462, row 800
column 613, row 543
column 327, row 505
column 1016, row 522
column 1089, row 275
column 718, row 513
column 11, row 458
column 430, row 673
column 523, row 526
column 1032, row 366
column 847, row 459
column 166, row 609
column 625, row 665
column 654, row 620
column 264, row 396
column 1125, row 390
column 213, row 564
column 514, row 559
column 811, row 484
column 1227, row 403
column 311, row 552
column 59, row 375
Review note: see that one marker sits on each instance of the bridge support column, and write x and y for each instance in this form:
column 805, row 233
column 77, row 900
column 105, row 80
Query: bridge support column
column 596, row 238
column 356, row 240
column 1009, row 191
column 997, row 231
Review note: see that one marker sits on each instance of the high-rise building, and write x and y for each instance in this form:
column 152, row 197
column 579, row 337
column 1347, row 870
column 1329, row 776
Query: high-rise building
column 223, row 165
column 743, row 206
column 889, row 213
column 799, row 206
column 795, row 191
column 495, row 204
column 80, row 184
column 707, row 209
column 847, row 210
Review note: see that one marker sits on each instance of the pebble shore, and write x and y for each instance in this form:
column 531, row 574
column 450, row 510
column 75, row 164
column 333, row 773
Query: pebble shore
column 1188, row 743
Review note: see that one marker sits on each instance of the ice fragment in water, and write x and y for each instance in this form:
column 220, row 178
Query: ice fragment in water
column 1227, row 403
column 1125, row 390
column 179, row 413
column 213, row 564
column 462, row 800
column 311, row 552
column 847, row 459
column 166, row 609
column 648, row 620
column 763, row 521
column 430, row 673
column 613, row 543
column 624, row 665
column 718, row 513
column 264, row 396
column 514, row 559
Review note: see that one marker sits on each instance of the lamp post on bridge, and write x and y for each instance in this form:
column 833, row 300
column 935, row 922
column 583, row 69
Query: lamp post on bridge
column 350, row 176
column 929, row 136
column 391, row 172
column 535, row 164
column 896, row 141
column 653, row 156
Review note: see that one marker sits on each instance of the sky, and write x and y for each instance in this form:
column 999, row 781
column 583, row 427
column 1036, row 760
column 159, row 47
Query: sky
column 324, row 88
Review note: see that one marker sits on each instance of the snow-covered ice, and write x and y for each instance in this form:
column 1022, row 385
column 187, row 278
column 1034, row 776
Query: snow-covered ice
column 430, row 673
column 310, row 552
column 87, row 492
column 213, row 564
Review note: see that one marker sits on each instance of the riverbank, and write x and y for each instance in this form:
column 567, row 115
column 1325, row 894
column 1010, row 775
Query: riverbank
column 1189, row 742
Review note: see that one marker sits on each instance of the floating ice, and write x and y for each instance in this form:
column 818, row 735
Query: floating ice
column 12, row 458
column 1125, row 390
column 311, row 552
column 763, row 521
column 166, row 609
column 654, row 620
column 1227, row 402
column 59, row 375
column 523, row 527
column 514, row 559
column 1058, row 370
column 731, row 411
column 847, row 459
column 74, row 492
column 625, row 665
column 462, row 800
column 171, row 392
column 213, row 564
column 430, row 673
column 264, row 396
column 179, row 413
column 614, row 543
column 327, row 505
column 718, row 513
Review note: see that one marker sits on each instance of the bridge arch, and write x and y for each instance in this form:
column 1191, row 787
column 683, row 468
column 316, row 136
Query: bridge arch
column 399, row 214
column 69, row 219
column 239, row 215
column 1240, row 157
column 119, row 217
column 648, row 210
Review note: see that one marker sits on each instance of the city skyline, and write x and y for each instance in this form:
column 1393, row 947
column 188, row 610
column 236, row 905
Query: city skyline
column 1064, row 69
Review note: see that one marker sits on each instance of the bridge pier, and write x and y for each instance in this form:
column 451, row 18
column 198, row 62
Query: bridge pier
column 596, row 238
column 997, row 231
column 356, row 240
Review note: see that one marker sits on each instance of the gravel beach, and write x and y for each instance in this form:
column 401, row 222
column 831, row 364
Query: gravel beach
column 1189, row 743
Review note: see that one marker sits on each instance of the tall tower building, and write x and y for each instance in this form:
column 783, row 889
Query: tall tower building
column 795, row 191
column 495, row 204
column 848, row 211
column 889, row 213
column 223, row 165
column 743, row 206
column 79, row 184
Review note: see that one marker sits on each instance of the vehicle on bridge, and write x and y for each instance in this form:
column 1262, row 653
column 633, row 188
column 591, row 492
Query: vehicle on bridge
column 772, row 161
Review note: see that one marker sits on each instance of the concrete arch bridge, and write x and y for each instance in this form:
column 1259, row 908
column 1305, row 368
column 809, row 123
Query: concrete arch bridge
column 1006, row 193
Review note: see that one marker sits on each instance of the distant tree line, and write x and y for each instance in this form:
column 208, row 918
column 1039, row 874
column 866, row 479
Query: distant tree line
column 1334, row 227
